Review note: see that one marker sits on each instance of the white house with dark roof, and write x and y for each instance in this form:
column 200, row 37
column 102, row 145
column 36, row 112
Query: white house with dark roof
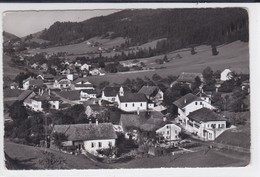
column 62, row 82
column 205, row 123
column 189, row 103
column 81, row 83
column 169, row 132
column 152, row 93
column 30, row 82
column 187, row 78
column 132, row 102
column 110, row 93
column 87, row 137
column 86, row 94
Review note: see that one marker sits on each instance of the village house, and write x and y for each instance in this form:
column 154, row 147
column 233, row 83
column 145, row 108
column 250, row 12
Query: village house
column 36, row 102
column 85, row 67
column 44, row 67
column 34, row 66
column 14, row 85
column 189, row 103
column 246, row 86
column 169, row 132
column 131, row 102
column 25, row 97
column 206, row 96
column 152, row 93
column 187, row 78
column 62, row 82
column 32, row 83
column 87, row 137
column 205, row 123
column 81, row 84
column 86, row 94
column 110, row 93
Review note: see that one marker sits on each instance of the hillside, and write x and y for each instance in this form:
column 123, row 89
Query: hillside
column 234, row 55
column 8, row 36
column 20, row 156
column 182, row 27
column 35, row 37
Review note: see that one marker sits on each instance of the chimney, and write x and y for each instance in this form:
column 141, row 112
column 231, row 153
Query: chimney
column 138, row 111
column 96, row 121
column 185, row 101
column 39, row 92
column 49, row 91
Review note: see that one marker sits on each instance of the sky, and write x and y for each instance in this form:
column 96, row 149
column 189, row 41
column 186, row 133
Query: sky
column 22, row 23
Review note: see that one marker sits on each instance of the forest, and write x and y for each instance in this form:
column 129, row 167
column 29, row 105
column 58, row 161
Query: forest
column 181, row 27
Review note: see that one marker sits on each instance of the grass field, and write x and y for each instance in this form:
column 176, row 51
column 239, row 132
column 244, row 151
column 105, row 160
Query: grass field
column 31, row 156
column 28, row 157
column 234, row 55
column 83, row 47
column 211, row 158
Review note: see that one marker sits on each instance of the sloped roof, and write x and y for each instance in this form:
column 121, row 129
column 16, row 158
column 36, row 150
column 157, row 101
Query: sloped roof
column 153, row 124
column 96, row 107
column 24, row 95
column 113, row 91
column 189, row 77
column 72, row 95
column 185, row 100
column 83, row 85
column 133, row 97
column 38, row 82
column 204, row 115
column 149, row 90
column 84, row 132
column 80, row 79
column 89, row 91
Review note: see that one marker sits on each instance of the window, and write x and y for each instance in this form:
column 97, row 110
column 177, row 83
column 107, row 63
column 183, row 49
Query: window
column 133, row 105
column 167, row 126
column 99, row 144
column 126, row 105
column 176, row 132
column 200, row 103
column 196, row 103
column 92, row 145
column 141, row 104
column 168, row 132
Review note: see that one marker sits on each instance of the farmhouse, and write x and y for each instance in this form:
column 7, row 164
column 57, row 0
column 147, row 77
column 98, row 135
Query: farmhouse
column 206, row 96
column 32, row 83
column 152, row 93
column 189, row 103
column 87, row 137
column 62, row 83
column 46, row 78
column 132, row 102
column 86, row 94
column 14, row 85
column 85, row 67
column 36, row 102
column 169, row 132
column 110, row 93
column 205, row 123
column 226, row 75
column 188, row 78
column 81, row 83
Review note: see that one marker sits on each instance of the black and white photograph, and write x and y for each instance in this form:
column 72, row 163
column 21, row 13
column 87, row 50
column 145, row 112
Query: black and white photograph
column 131, row 88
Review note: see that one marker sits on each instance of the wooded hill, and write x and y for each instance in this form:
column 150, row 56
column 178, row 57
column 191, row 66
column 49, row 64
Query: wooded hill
column 182, row 27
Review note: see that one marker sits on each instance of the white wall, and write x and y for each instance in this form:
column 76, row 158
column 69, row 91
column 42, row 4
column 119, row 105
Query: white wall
column 225, row 75
column 193, row 106
column 132, row 106
column 170, row 132
column 104, row 144
column 37, row 105
column 110, row 99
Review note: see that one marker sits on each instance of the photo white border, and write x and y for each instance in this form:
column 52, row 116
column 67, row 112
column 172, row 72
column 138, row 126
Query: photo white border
column 252, row 170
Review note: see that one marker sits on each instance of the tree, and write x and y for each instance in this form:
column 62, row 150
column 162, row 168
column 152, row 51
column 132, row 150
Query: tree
column 156, row 77
column 165, row 59
column 18, row 112
column 193, row 51
column 103, row 84
column 214, row 50
column 207, row 74
column 58, row 138
column 46, row 105
column 197, row 82
column 218, row 101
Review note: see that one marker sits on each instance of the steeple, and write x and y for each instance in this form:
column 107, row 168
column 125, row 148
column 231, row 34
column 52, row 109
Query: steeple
column 121, row 91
